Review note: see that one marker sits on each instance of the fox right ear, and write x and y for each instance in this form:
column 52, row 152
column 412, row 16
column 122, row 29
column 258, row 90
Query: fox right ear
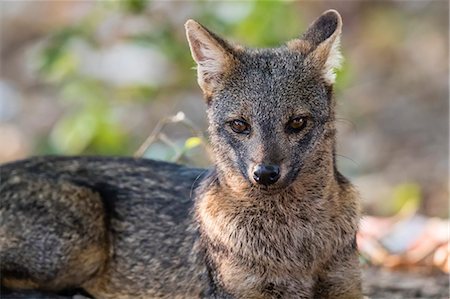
column 211, row 53
column 320, row 43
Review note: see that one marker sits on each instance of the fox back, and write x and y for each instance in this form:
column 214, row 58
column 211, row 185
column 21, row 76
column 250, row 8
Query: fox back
column 273, row 218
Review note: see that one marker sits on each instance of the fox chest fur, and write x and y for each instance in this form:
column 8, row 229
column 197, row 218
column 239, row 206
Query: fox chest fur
column 272, row 245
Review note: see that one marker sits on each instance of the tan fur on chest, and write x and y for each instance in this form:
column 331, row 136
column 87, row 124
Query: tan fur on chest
column 279, row 239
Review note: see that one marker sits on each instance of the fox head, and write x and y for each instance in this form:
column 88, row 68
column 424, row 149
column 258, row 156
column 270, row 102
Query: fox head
column 270, row 111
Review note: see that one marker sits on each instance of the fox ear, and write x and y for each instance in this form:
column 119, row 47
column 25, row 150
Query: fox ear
column 321, row 43
column 211, row 53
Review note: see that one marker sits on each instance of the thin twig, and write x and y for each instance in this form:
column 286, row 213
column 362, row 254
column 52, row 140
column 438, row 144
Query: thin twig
column 179, row 117
column 150, row 139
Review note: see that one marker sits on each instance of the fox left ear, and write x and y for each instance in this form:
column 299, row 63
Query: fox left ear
column 321, row 44
column 213, row 55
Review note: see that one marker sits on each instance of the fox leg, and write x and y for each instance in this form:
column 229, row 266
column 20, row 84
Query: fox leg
column 52, row 233
column 342, row 278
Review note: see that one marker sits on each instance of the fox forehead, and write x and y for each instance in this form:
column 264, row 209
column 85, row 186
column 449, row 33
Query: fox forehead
column 271, row 83
column 272, row 59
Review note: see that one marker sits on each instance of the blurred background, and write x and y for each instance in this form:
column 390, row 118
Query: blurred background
column 86, row 77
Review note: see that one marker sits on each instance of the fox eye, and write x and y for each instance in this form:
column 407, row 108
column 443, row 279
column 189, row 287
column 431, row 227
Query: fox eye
column 296, row 124
column 239, row 126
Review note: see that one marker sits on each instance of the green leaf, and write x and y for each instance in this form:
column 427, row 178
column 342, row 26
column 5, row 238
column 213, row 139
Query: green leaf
column 406, row 197
column 192, row 142
column 73, row 133
column 59, row 65
column 134, row 6
column 262, row 31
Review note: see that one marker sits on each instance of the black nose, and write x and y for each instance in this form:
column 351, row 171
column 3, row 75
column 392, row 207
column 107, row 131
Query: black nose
column 266, row 174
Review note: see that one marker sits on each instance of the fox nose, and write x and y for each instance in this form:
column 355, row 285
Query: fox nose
column 266, row 174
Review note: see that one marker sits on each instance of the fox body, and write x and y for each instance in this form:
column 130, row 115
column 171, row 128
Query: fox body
column 272, row 219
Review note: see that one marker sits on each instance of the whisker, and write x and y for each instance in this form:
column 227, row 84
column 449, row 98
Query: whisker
column 195, row 181
column 352, row 124
column 350, row 159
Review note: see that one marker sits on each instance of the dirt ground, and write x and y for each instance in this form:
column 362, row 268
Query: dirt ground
column 384, row 284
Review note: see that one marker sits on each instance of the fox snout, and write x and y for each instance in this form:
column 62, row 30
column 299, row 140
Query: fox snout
column 266, row 174
column 265, row 166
